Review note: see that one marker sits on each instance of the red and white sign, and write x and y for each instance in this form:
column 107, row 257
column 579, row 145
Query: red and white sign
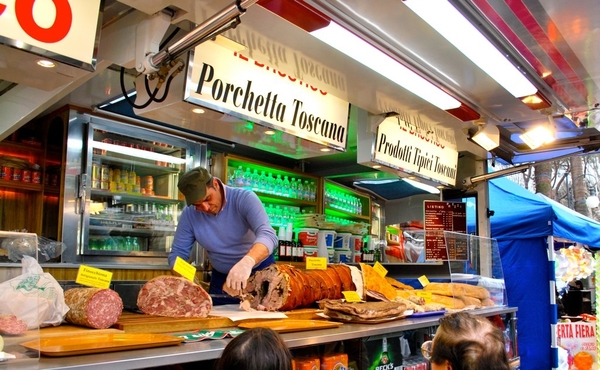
column 231, row 82
column 65, row 27
column 410, row 144
column 579, row 339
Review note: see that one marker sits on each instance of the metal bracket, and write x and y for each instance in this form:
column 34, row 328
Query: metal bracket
column 148, row 35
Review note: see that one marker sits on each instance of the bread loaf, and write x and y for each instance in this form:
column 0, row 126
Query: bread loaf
column 457, row 290
column 448, row 302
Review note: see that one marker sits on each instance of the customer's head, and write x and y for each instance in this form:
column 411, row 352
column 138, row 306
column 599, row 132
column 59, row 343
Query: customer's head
column 256, row 349
column 467, row 342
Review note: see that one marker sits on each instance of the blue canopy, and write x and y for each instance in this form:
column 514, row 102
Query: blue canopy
column 521, row 223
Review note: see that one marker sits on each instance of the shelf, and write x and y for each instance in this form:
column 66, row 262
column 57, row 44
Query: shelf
column 96, row 252
column 111, row 230
column 20, row 185
column 137, row 164
column 128, row 197
column 276, row 199
column 13, row 145
column 344, row 214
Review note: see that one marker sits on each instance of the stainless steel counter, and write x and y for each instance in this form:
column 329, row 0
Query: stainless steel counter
column 209, row 349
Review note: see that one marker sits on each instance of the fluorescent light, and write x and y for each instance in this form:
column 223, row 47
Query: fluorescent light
column 455, row 28
column 539, row 135
column 488, row 137
column 138, row 153
column 356, row 48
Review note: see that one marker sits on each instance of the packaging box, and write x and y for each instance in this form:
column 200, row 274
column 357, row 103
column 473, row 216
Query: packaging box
column 384, row 353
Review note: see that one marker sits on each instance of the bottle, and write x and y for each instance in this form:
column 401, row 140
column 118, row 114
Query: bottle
column 248, row 179
column 262, row 182
column 385, row 358
column 285, row 188
column 239, row 177
column 281, row 244
column 306, row 194
column 255, row 180
column 270, row 184
column 299, row 190
column 293, row 188
column 313, row 192
column 278, row 185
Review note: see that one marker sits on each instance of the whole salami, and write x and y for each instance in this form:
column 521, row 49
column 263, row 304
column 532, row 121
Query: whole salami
column 93, row 307
column 173, row 296
column 10, row 324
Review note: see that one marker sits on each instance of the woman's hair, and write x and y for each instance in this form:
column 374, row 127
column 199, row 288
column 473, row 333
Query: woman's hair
column 469, row 342
column 256, row 349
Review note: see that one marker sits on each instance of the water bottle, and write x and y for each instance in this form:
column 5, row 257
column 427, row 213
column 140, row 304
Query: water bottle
column 313, row 192
column 262, row 182
column 293, row 188
column 278, row 185
column 255, row 180
column 306, row 193
column 239, row 177
column 270, row 184
column 300, row 190
column 285, row 190
column 248, row 179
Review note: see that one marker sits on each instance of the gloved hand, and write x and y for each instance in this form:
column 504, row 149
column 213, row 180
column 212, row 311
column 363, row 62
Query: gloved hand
column 240, row 272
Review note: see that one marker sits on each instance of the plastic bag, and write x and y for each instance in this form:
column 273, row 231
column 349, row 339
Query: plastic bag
column 35, row 297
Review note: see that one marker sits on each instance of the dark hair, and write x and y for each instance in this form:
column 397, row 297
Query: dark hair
column 256, row 349
column 469, row 342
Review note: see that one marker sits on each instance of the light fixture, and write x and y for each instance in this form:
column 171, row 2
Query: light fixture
column 269, row 132
column 198, row 111
column 138, row 153
column 376, row 166
column 45, row 63
column 454, row 27
column 356, row 48
column 325, row 150
column 487, row 137
column 540, row 134
column 229, row 44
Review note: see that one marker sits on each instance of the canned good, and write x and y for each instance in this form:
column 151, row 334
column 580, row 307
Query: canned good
column 7, row 173
column 104, row 173
column 26, row 177
column 96, row 171
column 104, row 185
column 36, row 177
column 17, row 174
column 148, row 183
column 95, row 183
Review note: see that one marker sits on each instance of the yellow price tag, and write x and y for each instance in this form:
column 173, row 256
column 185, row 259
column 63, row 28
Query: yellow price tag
column 184, row 269
column 425, row 295
column 380, row 269
column 351, row 296
column 316, row 263
column 93, row 277
column 424, row 281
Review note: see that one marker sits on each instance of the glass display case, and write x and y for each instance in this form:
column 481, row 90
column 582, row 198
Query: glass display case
column 125, row 199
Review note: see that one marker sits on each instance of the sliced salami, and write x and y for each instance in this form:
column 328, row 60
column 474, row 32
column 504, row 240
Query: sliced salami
column 93, row 307
column 11, row 325
column 173, row 296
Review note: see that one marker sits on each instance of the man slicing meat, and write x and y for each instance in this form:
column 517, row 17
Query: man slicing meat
column 230, row 223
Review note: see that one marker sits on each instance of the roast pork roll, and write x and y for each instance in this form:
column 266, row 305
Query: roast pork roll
column 174, row 296
column 284, row 287
column 93, row 307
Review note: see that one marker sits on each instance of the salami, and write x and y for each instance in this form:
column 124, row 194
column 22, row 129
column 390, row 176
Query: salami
column 10, row 324
column 284, row 287
column 173, row 296
column 93, row 307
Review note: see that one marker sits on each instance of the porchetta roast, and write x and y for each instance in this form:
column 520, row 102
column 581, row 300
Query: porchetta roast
column 284, row 287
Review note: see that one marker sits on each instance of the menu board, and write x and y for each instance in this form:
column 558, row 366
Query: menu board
column 445, row 216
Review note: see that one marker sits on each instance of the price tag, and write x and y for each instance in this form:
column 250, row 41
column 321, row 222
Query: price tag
column 424, row 281
column 351, row 296
column 316, row 263
column 380, row 269
column 425, row 295
column 93, row 277
column 184, row 269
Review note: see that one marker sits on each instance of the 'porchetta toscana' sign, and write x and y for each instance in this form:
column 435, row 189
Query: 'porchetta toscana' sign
column 230, row 82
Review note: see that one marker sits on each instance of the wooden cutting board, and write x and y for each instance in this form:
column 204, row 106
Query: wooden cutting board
column 130, row 322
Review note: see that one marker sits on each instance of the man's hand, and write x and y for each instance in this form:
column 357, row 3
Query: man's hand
column 239, row 274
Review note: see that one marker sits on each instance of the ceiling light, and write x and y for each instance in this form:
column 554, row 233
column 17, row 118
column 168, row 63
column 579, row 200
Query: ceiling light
column 269, row 132
column 45, row 63
column 325, row 149
column 230, row 44
column 539, row 135
column 356, row 48
column 198, row 110
column 455, row 28
column 376, row 166
column 138, row 153
column 488, row 136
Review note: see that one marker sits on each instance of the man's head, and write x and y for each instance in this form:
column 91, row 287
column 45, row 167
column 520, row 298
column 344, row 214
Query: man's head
column 201, row 190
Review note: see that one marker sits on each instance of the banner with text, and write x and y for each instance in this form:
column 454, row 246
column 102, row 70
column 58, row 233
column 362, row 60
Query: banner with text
column 230, row 82
column 410, row 144
column 66, row 27
column 579, row 340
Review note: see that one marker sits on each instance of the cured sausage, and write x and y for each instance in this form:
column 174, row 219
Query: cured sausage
column 93, row 307
column 173, row 296
column 12, row 325
column 284, row 287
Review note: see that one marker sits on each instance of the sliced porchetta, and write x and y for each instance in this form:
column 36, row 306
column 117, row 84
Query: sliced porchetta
column 282, row 287
column 173, row 296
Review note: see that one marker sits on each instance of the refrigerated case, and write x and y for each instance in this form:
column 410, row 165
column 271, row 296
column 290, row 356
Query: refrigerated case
column 121, row 196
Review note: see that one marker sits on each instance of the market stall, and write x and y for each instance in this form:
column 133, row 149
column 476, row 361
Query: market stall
column 524, row 225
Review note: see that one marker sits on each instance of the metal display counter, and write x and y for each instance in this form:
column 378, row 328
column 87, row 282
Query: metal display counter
column 212, row 349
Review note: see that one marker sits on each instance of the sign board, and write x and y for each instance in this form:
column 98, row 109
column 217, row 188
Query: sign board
column 66, row 28
column 410, row 144
column 232, row 83
column 440, row 217
column 579, row 340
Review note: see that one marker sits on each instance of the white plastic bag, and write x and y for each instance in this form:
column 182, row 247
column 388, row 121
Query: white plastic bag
column 35, row 297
